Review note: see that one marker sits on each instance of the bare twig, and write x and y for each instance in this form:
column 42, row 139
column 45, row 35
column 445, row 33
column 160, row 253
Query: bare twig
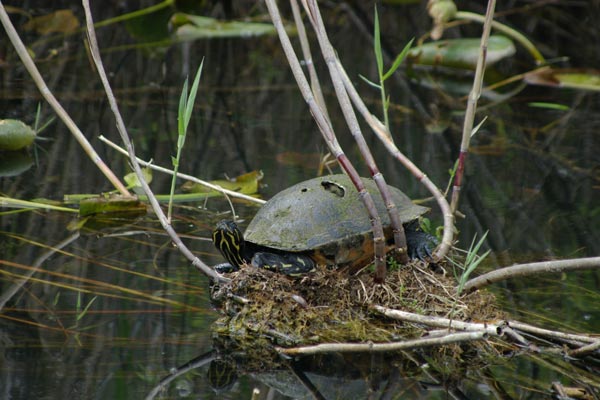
column 520, row 270
column 549, row 334
column 191, row 178
column 129, row 146
column 385, row 347
column 308, row 60
column 439, row 322
column 584, row 350
column 54, row 103
column 472, row 106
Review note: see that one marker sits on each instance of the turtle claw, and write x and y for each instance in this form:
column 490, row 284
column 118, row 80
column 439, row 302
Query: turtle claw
column 225, row 268
column 419, row 244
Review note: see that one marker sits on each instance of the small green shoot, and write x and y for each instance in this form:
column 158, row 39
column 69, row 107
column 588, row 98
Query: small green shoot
column 81, row 313
column 186, row 106
column 472, row 261
column 383, row 76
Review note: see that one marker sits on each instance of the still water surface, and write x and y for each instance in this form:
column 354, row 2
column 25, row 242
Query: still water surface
column 107, row 316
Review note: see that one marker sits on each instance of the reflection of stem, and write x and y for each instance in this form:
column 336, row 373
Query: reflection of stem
column 15, row 287
column 185, row 368
column 54, row 103
column 507, row 30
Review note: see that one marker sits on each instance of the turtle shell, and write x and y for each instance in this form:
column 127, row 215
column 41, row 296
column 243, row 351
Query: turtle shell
column 325, row 218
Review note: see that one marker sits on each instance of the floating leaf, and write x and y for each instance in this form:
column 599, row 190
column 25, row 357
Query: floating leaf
column 461, row 53
column 15, row 135
column 14, row 163
column 245, row 184
column 111, row 206
column 190, row 27
column 586, row 79
column 61, row 21
column 132, row 179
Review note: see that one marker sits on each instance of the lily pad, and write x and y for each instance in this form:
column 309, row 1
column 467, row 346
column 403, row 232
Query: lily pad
column 13, row 163
column 190, row 27
column 461, row 53
column 15, row 135
column 111, row 206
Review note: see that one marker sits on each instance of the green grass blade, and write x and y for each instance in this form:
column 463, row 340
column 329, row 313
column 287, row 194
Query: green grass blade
column 377, row 44
column 399, row 58
column 192, row 98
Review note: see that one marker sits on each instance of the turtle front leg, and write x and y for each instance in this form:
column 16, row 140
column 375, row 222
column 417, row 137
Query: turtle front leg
column 419, row 243
column 291, row 264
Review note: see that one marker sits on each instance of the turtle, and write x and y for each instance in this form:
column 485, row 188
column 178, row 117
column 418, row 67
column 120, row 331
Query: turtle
column 318, row 221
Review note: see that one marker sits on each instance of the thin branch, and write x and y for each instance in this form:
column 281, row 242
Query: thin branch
column 384, row 347
column 549, row 334
column 380, row 131
column 54, row 103
column 146, row 164
column 308, row 59
column 129, row 146
column 472, row 105
column 439, row 322
column 543, row 267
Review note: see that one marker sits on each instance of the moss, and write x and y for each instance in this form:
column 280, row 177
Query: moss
column 328, row 306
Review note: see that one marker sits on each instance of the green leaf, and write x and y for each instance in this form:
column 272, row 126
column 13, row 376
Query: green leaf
column 15, row 135
column 182, row 108
column 375, row 85
column 398, row 60
column 192, row 97
column 461, row 53
column 191, row 27
column 377, row 44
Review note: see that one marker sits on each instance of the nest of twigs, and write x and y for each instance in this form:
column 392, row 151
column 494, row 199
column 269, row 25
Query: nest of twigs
column 329, row 306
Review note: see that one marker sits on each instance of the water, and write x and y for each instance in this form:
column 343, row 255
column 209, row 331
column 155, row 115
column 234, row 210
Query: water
column 108, row 316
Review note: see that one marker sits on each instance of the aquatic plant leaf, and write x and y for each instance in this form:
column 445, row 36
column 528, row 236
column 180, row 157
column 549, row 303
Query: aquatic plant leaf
column 461, row 53
column 15, row 135
column 61, row 21
column 14, row 163
column 586, row 79
column 132, row 180
column 114, row 205
column 245, row 184
column 190, row 27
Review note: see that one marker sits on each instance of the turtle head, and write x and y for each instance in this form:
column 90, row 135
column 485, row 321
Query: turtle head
column 228, row 238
